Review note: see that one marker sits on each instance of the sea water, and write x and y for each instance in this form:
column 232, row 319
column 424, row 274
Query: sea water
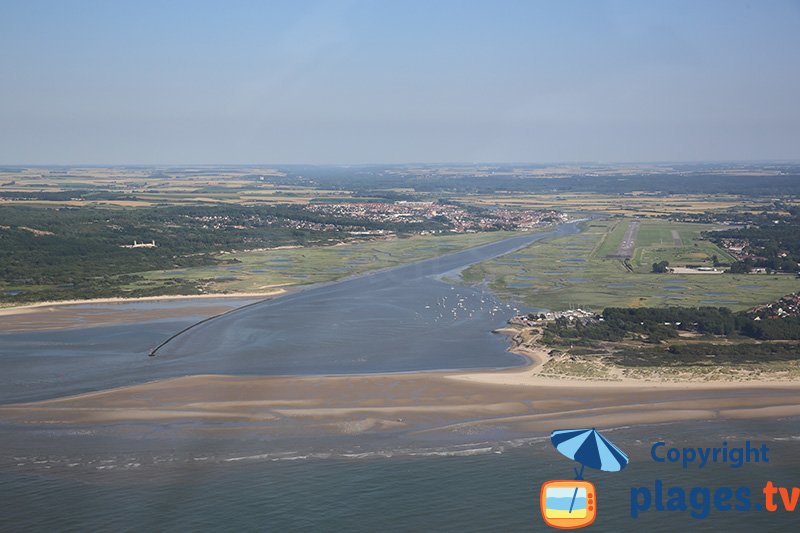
column 407, row 318
column 488, row 487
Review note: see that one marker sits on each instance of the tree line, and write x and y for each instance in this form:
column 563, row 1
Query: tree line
column 661, row 323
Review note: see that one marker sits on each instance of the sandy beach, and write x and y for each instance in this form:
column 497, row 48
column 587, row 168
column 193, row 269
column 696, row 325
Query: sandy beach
column 518, row 400
column 415, row 404
column 433, row 404
column 80, row 313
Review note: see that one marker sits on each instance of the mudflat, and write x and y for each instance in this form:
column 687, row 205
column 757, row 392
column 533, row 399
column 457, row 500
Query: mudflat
column 445, row 403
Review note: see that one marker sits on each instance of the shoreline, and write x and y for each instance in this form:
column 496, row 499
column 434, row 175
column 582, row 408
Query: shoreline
column 450, row 405
column 420, row 404
column 537, row 355
column 427, row 407
column 279, row 289
column 28, row 308
column 112, row 311
column 62, row 314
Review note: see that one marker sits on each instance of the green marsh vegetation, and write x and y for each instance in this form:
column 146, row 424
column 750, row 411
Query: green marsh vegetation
column 577, row 270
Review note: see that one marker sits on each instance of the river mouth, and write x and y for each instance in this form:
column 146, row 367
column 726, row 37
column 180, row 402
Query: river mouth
column 401, row 319
column 408, row 318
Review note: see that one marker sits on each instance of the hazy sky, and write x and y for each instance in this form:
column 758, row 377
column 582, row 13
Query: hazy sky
column 397, row 81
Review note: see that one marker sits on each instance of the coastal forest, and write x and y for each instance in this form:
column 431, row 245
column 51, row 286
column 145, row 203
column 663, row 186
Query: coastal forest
column 81, row 253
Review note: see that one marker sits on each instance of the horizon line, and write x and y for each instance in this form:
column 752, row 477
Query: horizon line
column 421, row 163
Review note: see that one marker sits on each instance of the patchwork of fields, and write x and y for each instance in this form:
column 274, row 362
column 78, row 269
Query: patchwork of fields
column 627, row 204
column 141, row 187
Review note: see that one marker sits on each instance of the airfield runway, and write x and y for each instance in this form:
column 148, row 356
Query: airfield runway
column 625, row 249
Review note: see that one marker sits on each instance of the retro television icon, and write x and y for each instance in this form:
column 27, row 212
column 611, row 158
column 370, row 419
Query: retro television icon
column 568, row 504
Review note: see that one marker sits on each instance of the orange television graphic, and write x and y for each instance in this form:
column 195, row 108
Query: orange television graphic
column 568, row 504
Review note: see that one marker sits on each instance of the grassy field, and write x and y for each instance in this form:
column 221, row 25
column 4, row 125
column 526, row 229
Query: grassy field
column 260, row 270
column 655, row 241
column 575, row 271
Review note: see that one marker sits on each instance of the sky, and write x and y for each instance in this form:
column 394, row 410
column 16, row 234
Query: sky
column 348, row 82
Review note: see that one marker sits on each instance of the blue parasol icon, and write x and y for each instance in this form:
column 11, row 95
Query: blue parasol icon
column 589, row 448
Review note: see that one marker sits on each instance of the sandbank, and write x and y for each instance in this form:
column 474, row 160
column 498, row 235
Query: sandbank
column 79, row 313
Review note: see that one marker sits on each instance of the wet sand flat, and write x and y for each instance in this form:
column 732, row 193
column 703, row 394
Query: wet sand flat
column 107, row 311
column 411, row 404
